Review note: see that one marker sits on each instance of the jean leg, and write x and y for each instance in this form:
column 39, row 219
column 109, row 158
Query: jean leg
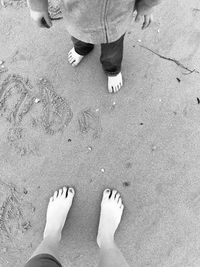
column 111, row 56
column 82, row 48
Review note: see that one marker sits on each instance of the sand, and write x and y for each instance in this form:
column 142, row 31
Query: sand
column 59, row 126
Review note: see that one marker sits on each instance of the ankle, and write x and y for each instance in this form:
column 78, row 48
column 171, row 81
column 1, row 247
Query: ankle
column 106, row 241
column 107, row 244
column 53, row 237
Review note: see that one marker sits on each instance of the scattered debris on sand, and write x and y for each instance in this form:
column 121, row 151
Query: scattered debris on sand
column 2, row 67
column 179, row 64
column 126, row 184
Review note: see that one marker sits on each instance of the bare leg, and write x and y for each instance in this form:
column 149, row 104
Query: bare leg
column 111, row 212
column 58, row 208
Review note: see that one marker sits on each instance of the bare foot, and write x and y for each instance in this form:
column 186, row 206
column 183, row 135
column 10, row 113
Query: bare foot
column 110, row 217
column 74, row 58
column 58, row 208
column 115, row 83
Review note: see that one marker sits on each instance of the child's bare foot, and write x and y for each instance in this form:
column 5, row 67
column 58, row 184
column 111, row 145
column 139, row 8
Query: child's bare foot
column 74, row 58
column 58, row 208
column 115, row 83
column 110, row 217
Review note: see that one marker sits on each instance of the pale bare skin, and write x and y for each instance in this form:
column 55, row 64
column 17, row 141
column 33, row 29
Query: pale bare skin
column 110, row 217
column 114, row 82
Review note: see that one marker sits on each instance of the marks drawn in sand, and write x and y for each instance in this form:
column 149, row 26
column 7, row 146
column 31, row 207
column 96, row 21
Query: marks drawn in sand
column 20, row 108
column 194, row 202
column 14, row 91
column 89, row 120
column 57, row 114
column 14, row 220
column 14, row 3
column 22, row 142
column 54, row 6
column 16, row 101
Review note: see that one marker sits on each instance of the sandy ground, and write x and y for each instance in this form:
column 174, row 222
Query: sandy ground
column 59, row 126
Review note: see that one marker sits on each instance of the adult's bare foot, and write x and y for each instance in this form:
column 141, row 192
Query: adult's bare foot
column 58, row 208
column 110, row 217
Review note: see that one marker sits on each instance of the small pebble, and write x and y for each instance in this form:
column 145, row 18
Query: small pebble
column 4, row 250
column 160, row 100
column 25, row 191
column 158, row 30
column 69, row 140
column 113, row 106
column 1, row 62
column 153, row 148
column 2, row 66
column 97, row 109
column 37, row 100
column 125, row 184
column 139, row 41
column 102, row 170
column 89, row 148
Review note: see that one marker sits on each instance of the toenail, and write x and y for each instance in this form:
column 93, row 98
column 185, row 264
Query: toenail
column 71, row 190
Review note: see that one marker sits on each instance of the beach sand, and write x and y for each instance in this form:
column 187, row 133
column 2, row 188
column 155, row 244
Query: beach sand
column 60, row 126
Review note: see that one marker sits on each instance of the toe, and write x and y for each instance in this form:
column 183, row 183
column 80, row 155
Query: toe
column 106, row 193
column 117, row 196
column 55, row 195
column 120, row 201
column 71, row 60
column 109, row 89
column 60, row 192
column 64, row 193
column 114, row 192
column 71, row 192
column 74, row 63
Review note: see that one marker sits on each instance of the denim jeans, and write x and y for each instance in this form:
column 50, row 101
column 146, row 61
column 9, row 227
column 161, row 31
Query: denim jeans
column 111, row 54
